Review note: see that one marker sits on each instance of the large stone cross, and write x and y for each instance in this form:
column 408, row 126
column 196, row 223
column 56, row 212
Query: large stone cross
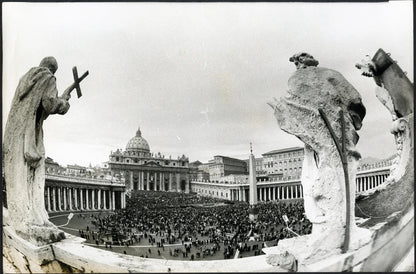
column 77, row 80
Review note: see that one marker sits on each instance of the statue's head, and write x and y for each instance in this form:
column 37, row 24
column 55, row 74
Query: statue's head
column 50, row 63
column 303, row 60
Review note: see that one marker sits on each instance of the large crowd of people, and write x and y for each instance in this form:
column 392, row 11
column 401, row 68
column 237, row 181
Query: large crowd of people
column 193, row 227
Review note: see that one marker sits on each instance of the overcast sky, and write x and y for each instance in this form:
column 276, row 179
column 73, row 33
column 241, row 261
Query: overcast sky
column 195, row 77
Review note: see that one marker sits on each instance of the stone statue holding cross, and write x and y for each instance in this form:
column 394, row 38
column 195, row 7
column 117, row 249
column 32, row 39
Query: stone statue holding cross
column 35, row 99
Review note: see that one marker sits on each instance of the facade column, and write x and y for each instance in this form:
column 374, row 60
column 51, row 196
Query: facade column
column 114, row 200
column 178, row 187
column 139, row 180
column 231, row 194
column 291, row 192
column 160, row 181
column 59, row 199
column 105, row 199
column 278, row 193
column 48, row 195
column 99, row 199
column 132, row 186
column 148, row 182
column 139, row 186
column 154, row 181
column 301, row 191
column 142, row 186
column 170, row 181
column 187, row 183
column 273, row 193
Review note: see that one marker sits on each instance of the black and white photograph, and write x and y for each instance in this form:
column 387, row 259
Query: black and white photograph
column 207, row 137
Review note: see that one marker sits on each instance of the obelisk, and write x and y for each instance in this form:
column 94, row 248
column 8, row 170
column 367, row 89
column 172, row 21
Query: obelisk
column 252, row 185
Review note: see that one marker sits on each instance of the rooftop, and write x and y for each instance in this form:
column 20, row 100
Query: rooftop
column 283, row 150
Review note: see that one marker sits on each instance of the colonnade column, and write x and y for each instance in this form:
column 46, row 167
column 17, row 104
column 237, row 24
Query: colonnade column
column 93, row 199
column 59, row 199
column 81, row 199
column 48, row 195
column 53, row 199
column 76, row 198
column 87, row 207
column 64, row 196
column 70, row 198
column 170, row 181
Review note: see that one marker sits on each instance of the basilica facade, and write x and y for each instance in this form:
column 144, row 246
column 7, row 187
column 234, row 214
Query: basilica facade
column 143, row 170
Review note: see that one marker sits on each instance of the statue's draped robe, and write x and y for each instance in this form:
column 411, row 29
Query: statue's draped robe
column 23, row 149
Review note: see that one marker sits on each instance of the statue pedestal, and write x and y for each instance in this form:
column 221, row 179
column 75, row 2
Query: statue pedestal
column 31, row 258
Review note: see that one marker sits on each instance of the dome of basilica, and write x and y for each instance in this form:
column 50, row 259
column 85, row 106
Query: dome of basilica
column 137, row 143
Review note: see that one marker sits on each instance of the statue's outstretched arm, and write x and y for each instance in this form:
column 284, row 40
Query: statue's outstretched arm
column 51, row 103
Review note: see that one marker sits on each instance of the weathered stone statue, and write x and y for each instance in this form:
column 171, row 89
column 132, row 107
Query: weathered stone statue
column 312, row 88
column 35, row 99
column 395, row 92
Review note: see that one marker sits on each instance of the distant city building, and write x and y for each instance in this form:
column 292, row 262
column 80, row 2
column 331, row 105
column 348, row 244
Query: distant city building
column 285, row 163
column 197, row 171
column 222, row 166
column 53, row 167
column 144, row 170
column 76, row 170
